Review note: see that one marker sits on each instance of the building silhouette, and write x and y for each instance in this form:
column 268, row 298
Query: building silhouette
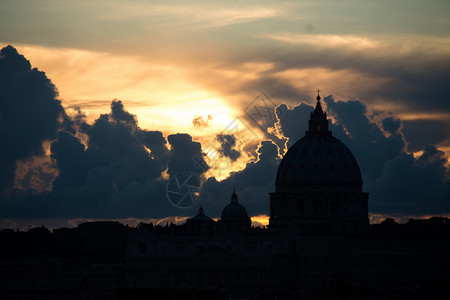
column 318, row 245
column 318, row 184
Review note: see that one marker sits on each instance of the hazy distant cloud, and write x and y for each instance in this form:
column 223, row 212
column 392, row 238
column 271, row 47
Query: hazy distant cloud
column 201, row 122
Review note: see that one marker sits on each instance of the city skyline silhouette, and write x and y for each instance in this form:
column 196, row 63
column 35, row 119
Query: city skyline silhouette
column 224, row 150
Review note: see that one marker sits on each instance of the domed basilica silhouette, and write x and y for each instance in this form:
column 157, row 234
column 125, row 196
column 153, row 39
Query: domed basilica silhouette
column 318, row 237
column 318, row 184
column 318, row 245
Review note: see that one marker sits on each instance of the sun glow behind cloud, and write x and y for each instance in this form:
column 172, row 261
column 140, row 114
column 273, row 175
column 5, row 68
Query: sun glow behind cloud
column 91, row 79
column 167, row 94
column 161, row 95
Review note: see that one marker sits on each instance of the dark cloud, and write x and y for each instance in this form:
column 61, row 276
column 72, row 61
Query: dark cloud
column 391, row 124
column 29, row 112
column 421, row 132
column 371, row 147
column 413, row 186
column 186, row 155
column 121, row 168
column 71, row 156
column 111, row 168
column 118, row 174
column 227, row 146
column 118, row 114
column 292, row 123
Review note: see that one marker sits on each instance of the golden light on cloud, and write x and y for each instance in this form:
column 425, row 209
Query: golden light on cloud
column 221, row 167
column 161, row 95
column 165, row 97
column 243, row 138
column 178, row 116
column 87, row 75
column 384, row 45
column 37, row 173
column 327, row 40
column 409, row 116
column 262, row 219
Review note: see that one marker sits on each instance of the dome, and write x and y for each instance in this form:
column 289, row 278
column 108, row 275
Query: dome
column 318, row 159
column 234, row 209
column 200, row 217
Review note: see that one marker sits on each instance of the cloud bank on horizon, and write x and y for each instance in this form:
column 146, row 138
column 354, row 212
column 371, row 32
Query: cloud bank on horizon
column 59, row 166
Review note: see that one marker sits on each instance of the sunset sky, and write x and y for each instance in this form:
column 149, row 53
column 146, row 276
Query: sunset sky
column 195, row 67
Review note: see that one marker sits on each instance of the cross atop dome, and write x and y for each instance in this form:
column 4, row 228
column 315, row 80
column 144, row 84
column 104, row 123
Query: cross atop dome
column 318, row 110
column 200, row 211
column 234, row 197
column 318, row 123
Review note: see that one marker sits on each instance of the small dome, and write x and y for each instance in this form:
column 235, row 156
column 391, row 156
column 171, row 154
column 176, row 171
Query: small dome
column 201, row 216
column 234, row 209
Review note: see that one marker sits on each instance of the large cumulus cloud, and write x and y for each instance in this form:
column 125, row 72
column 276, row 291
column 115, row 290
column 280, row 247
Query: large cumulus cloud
column 30, row 113
column 111, row 168
column 118, row 173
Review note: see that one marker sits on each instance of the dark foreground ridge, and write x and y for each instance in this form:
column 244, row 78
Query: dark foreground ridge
column 201, row 260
